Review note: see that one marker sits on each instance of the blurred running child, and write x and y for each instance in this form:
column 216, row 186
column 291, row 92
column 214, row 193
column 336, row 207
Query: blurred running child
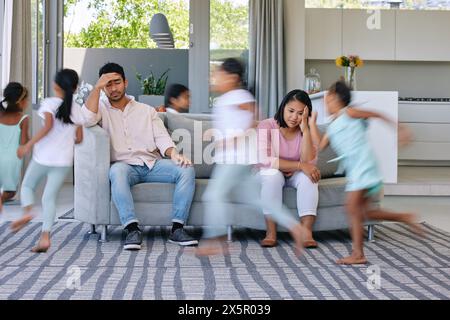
column 348, row 136
column 52, row 153
column 234, row 114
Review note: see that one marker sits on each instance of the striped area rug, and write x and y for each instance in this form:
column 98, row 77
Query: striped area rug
column 79, row 267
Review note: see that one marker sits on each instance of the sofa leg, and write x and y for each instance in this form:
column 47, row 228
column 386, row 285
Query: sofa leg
column 371, row 233
column 92, row 230
column 104, row 235
column 230, row 233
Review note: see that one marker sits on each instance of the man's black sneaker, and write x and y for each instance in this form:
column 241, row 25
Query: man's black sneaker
column 133, row 240
column 181, row 238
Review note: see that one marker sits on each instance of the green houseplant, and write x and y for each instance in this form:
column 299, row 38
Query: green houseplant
column 153, row 88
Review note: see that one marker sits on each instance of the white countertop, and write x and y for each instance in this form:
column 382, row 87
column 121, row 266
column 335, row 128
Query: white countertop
column 425, row 102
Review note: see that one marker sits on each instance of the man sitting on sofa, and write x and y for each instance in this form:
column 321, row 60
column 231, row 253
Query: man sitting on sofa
column 139, row 141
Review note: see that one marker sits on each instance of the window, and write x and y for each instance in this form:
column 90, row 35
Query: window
column 122, row 23
column 229, row 36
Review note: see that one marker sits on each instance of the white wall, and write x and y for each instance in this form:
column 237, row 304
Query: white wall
column 410, row 79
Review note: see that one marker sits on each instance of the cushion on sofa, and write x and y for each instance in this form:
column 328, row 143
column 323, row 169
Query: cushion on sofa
column 332, row 193
column 327, row 170
column 192, row 128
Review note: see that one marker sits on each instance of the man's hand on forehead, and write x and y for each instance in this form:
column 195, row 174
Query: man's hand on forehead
column 106, row 79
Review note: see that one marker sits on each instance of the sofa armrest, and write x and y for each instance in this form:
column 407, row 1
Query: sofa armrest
column 92, row 187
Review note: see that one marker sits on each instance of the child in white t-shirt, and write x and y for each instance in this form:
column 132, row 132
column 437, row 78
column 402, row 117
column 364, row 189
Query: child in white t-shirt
column 234, row 114
column 52, row 153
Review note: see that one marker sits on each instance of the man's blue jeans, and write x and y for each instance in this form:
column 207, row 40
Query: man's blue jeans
column 123, row 177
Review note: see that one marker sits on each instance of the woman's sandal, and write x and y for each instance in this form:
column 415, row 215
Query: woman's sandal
column 268, row 243
column 310, row 244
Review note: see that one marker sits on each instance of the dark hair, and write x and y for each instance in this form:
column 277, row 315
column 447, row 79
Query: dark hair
column 112, row 67
column 295, row 95
column 174, row 91
column 233, row 66
column 342, row 91
column 13, row 94
column 67, row 80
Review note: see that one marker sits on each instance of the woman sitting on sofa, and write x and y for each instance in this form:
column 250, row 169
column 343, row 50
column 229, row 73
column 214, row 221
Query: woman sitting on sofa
column 289, row 158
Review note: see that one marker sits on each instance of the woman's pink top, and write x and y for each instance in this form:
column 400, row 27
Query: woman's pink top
column 273, row 145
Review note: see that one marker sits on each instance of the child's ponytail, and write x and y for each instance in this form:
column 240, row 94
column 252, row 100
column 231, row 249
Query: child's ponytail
column 14, row 93
column 67, row 80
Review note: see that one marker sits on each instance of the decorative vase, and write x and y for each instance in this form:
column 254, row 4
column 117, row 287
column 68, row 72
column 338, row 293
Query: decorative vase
column 350, row 77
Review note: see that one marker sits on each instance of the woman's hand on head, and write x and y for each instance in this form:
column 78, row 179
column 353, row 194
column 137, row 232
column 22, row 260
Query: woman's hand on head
column 304, row 124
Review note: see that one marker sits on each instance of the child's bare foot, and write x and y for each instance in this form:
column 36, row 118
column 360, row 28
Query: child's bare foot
column 17, row 225
column 212, row 247
column 411, row 220
column 353, row 259
column 297, row 232
column 43, row 244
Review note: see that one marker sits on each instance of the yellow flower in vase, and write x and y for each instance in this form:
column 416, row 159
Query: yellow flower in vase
column 349, row 63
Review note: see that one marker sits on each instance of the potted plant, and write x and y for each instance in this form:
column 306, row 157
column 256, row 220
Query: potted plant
column 153, row 88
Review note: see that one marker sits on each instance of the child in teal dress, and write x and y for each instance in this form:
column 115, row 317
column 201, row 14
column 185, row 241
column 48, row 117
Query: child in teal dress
column 13, row 133
column 347, row 134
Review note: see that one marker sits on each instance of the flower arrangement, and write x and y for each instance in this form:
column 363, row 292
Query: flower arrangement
column 349, row 63
column 152, row 85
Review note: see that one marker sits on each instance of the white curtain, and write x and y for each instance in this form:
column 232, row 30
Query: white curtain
column 6, row 47
column 21, row 43
column 266, row 60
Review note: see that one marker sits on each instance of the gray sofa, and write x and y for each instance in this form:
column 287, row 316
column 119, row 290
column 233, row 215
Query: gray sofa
column 153, row 202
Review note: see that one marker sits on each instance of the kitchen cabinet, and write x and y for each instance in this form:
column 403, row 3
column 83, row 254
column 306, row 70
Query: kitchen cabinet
column 323, row 34
column 430, row 126
column 404, row 35
column 369, row 35
column 423, row 35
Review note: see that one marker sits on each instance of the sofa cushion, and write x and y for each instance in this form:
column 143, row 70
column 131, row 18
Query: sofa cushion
column 331, row 191
column 327, row 170
column 192, row 128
